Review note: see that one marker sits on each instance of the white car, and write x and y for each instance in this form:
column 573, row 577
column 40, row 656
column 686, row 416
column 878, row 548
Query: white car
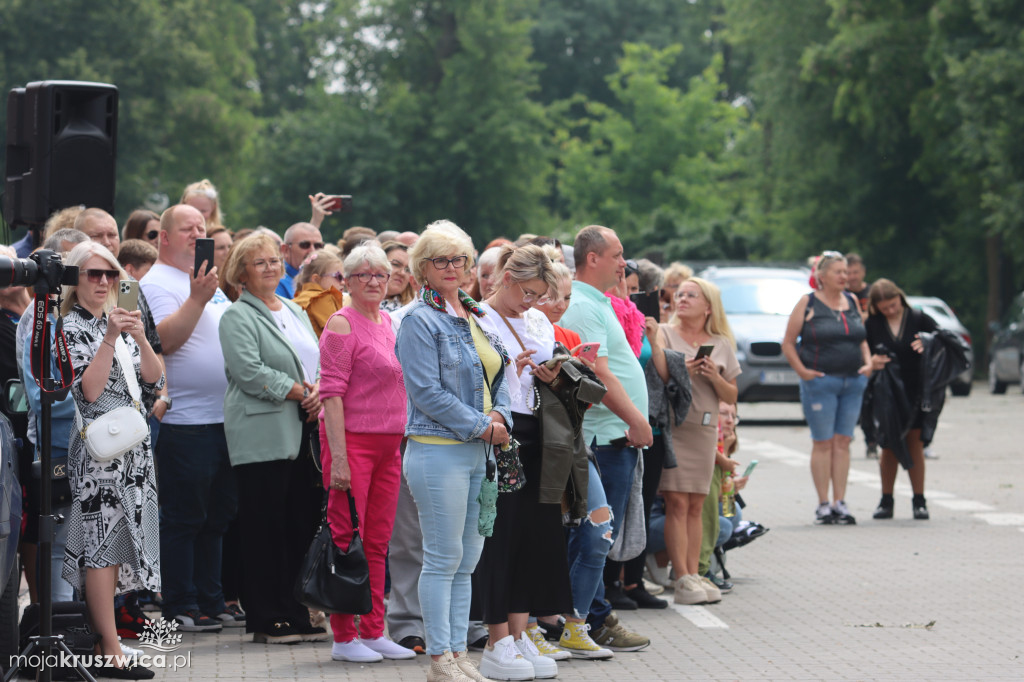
column 938, row 310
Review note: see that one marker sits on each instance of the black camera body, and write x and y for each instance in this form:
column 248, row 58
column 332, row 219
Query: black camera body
column 44, row 271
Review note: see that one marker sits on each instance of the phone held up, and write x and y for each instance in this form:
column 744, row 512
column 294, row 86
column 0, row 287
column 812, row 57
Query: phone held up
column 128, row 295
column 588, row 351
column 204, row 254
column 704, row 351
column 648, row 303
column 339, row 203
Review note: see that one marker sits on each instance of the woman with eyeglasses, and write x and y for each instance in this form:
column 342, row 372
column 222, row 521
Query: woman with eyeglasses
column 142, row 224
column 319, row 289
column 825, row 345
column 400, row 286
column 698, row 324
column 458, row 408
column 272, row 362
column 360, row 431
column 113, row 543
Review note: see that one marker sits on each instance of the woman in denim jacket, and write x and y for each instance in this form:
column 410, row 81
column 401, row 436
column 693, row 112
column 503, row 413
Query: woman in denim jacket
column 458, row 402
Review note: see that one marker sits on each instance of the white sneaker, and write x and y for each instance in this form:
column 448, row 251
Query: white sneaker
column 388, row 649
column 659, row 574
column 354, row 651
column 545, row 647
column 543, row 667
column 711, row 590
column 690, row 591
column 131, row 652
column 505, row 662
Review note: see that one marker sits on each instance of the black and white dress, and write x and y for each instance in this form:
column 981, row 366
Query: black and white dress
column 115, row 516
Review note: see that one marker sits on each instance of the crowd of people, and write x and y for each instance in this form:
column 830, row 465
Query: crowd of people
column 410, row 373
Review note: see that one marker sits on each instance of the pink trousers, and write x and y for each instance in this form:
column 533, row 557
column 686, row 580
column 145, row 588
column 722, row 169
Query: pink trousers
column 376, row 464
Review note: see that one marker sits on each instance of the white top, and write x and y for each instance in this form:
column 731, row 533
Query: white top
column 304, row 343
column 196, row 380
column 537, row 333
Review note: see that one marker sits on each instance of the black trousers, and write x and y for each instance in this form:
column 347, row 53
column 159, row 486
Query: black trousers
column 633, row 570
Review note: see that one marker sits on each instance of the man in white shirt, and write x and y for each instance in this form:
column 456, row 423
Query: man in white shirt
column 198, row 497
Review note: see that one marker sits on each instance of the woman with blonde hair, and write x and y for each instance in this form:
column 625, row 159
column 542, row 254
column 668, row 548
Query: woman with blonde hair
column 203, row 196
column 318, row 288
column 113, row 544
column 698, row 324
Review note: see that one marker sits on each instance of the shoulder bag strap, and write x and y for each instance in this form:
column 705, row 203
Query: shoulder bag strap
column 123, row 358
column 513, row 330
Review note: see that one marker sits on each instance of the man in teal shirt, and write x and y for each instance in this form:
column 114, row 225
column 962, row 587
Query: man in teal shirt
column 615, row 429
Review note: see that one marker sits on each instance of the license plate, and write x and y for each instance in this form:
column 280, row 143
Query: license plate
column 785, row 377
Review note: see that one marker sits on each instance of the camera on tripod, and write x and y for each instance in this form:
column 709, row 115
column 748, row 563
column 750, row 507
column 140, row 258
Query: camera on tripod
column 43, row 270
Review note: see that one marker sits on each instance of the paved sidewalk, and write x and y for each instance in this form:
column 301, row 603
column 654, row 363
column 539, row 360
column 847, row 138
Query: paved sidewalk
column 895, row 600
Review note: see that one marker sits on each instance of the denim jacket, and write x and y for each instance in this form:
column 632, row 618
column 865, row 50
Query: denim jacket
column 444, row 378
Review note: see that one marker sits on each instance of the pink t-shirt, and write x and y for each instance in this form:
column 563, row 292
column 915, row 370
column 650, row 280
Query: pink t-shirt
column 361, row 368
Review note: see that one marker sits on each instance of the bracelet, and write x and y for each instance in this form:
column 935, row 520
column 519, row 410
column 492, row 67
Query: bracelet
column 109, row 344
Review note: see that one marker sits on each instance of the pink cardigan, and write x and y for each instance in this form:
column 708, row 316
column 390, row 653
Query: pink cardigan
column 362, row 369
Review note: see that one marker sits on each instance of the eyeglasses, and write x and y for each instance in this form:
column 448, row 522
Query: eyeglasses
column 403, row 268
column 692, row 295
column 442, row 263
column 334, row 275
column 305, row 244
column 365, row 277
column 96, row 275
column 261, row 264
column 632, row 268
column 530, row 297
column 152, row 234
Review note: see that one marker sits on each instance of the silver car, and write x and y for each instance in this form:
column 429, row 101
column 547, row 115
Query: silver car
column 938, row 310
column 758, row 302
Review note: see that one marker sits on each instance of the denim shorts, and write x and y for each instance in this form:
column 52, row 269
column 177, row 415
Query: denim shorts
column 832, row 404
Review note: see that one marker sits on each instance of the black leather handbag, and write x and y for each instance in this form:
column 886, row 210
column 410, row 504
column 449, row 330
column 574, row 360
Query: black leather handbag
column 333, row 580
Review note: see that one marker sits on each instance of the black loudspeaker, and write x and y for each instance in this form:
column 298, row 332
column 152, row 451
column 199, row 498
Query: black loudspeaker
column 61, row 149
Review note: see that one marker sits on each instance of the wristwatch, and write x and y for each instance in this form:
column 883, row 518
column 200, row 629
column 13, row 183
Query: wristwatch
column 166, row 399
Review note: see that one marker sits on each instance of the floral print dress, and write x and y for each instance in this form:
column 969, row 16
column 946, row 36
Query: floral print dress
column 114, row 517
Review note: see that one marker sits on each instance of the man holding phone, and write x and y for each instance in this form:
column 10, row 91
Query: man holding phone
column 300, row 240
column 197, row 486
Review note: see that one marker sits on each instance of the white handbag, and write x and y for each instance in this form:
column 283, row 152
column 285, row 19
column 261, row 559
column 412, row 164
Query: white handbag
column 111, row 435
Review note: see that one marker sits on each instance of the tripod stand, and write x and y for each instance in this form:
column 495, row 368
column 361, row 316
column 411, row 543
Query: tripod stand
column 45, row 644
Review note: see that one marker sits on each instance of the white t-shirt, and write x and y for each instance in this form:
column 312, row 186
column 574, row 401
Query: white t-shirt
column 536, row 333
column 196, row 380
column 304, row 343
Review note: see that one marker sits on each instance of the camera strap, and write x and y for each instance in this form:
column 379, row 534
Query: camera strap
column 60, row 347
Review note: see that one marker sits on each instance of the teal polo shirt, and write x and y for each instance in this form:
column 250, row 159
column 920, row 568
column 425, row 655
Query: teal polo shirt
column 591, row 315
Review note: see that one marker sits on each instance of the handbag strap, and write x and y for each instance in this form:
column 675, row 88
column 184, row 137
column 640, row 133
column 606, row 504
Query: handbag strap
column 511, row 329
column 124, row 359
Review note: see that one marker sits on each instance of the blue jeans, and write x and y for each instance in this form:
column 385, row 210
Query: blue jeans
column 445, row 481
column 198, row 499
column 727, row 524
column 832, row 404
column 589, row 544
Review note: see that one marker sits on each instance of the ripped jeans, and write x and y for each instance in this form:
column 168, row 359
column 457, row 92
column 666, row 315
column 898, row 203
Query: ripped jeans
column 588, row 548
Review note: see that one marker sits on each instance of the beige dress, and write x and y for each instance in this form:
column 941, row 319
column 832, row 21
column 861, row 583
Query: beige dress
column 694, row 441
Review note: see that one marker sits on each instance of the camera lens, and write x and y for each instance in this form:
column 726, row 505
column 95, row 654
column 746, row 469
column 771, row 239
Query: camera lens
column 17, row 272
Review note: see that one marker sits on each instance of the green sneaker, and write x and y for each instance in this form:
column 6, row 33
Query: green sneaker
column 617, row 638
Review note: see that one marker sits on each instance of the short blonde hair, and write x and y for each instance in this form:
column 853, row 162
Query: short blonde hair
column 717, row 323
column 526, row 263
column 242, row 250
column 366, row 253
column 77, row 257
column 440, row 238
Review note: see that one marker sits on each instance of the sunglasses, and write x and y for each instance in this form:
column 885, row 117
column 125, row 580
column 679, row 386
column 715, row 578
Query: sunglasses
column 152, row 234
column 305, row 244
column 96, row 275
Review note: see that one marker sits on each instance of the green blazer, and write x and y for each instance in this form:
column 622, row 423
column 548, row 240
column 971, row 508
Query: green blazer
column 261, row 366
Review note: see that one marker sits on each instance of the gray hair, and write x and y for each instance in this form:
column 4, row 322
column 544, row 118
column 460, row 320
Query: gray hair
column 55, row 242
column 367, row 252
column 489, row 257
column 650, row 277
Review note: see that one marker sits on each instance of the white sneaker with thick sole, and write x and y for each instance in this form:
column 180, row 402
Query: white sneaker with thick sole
column 505, row 662
column 690, row 591
column 545, row 647
column 388, row 649
column 355, row 652
column 711, row 590
column 543, row 667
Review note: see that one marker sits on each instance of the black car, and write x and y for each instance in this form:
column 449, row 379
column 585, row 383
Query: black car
column 1006, row 353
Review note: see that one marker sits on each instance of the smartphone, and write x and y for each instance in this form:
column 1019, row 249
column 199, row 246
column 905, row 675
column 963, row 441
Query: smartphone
column 588, row 351
column 555, row 361
column 750, row 467
column 128, row 295
column 648, row 303
column 704, row 351
column 204, row 252
column 339, row 203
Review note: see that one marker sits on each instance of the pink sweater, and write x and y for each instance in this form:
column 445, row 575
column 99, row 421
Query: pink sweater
column 362, row 369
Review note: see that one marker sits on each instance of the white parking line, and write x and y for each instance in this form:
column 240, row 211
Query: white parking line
column 939, row 498
column 700, row 616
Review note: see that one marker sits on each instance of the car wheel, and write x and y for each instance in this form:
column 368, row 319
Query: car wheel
column 960, row 388
column 995, row 386
column 9, row 618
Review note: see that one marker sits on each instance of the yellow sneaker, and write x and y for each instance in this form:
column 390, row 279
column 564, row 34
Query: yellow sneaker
column 576, row 640
column 545, row 647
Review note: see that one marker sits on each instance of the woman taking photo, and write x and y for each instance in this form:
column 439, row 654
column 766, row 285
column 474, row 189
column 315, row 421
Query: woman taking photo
column 363, row 421
column 113, row 543
column 698, row 322
column 458, row 409
column 833, row 364
column 400, row 291
column 270, row 408
column 892, row 332
column 524, row 567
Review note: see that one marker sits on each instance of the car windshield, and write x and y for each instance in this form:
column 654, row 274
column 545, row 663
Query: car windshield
column 761, row 295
